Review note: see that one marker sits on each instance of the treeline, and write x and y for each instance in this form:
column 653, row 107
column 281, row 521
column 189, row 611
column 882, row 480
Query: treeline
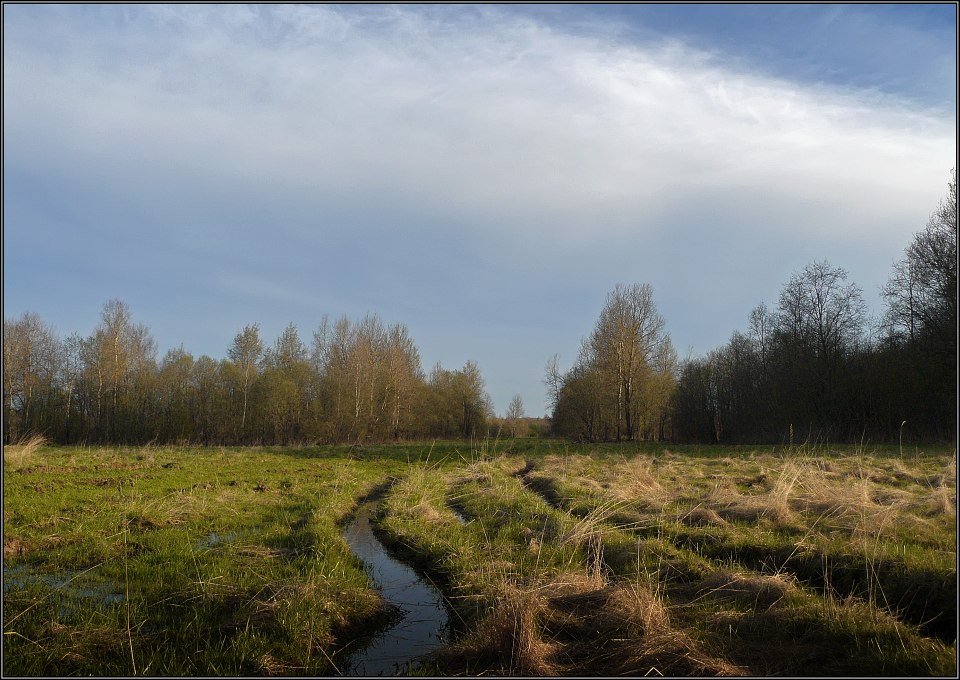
column 810, row 369
column 355, row 382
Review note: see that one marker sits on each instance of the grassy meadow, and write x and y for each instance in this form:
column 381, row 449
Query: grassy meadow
column 555, row 559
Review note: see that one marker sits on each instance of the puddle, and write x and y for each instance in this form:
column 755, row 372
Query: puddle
column 459, row 515
column 423, row 624
column 214, row 539
column 73, row 586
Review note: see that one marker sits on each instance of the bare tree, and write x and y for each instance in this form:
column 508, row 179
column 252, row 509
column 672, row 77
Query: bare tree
column 761, row 329
column 622, row 346
column 553, row 380
column 620, row 384
column 922, row 291
column 120, row 359
column 821, row 311
column 245, row 354
column 30, row 366
column 514, row 415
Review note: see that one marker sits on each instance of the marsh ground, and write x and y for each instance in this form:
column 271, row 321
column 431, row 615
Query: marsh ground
column 555, row 559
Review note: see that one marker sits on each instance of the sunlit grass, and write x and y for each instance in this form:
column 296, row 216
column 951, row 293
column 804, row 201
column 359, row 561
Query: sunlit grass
column 554, row 558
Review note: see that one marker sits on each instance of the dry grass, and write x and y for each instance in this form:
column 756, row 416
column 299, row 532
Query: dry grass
column 949, row 476
column 591, row 525
column 12, row 546
column 699, row 517
column 754, row 590
column 773, row 505
column 658, row 648
column 943, row 501
column 835, row 498
column 635, row 479
column 268, row 665
column 636, row 625
column 425, row 512
column 507, row 641
column 553, row 628
column 23, row 452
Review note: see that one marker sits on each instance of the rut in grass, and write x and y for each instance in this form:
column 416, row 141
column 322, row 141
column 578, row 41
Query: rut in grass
column 419, row 622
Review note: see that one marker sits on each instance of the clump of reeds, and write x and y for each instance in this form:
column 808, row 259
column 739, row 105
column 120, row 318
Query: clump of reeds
column 23, row 451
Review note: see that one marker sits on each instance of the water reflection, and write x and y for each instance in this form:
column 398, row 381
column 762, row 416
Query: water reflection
column 423, row 623
column 74, row 587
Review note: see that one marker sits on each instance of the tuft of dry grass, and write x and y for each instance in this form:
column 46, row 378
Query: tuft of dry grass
column 425, row 512
column 655, row 647
column 635, row 480
column 949, row 476
column 592, row 525
column 22, row 453
column 755, row 590
column 571, row 610
column 507, row 640
column 640, row 638
column 268, row 665
column 773, row 505
column 835, row 498
column 12, row 546
column 699, row 517
column 943, row 501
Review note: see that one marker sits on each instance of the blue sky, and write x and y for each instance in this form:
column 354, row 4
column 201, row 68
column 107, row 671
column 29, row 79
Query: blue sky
column 483, row 174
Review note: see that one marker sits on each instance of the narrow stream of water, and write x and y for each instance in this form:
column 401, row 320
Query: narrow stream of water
column 423, row 625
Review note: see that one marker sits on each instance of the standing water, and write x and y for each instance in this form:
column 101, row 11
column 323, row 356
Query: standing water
column 423, row 623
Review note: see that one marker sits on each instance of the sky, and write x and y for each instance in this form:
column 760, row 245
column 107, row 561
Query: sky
column 484, row 174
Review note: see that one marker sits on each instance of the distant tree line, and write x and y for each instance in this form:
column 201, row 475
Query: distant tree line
column 356, row 382
column 810, row 369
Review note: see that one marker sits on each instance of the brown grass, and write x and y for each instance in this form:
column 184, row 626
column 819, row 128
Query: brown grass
column 773, row 505
column 635, row 479
column 635, row 624
column 943, row 501
column 592, row 525
column 553, row 629
column 699, row 517
column 665, row 650
column 755, row 590
column 425, row 512
column 507, row 641
column 23, row 452
column 268, row 665
column 12, row 546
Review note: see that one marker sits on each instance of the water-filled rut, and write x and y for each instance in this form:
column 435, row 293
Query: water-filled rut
column 422, row 624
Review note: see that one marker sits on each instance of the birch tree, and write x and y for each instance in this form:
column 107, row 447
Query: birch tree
column 245, row 354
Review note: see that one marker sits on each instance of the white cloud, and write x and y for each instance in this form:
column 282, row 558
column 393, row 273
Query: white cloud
column 505, row 121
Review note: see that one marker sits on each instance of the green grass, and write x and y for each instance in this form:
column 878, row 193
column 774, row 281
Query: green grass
column 555, row 558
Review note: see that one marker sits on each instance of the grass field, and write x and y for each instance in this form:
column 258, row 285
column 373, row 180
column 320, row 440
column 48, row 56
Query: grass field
column 555, row 559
